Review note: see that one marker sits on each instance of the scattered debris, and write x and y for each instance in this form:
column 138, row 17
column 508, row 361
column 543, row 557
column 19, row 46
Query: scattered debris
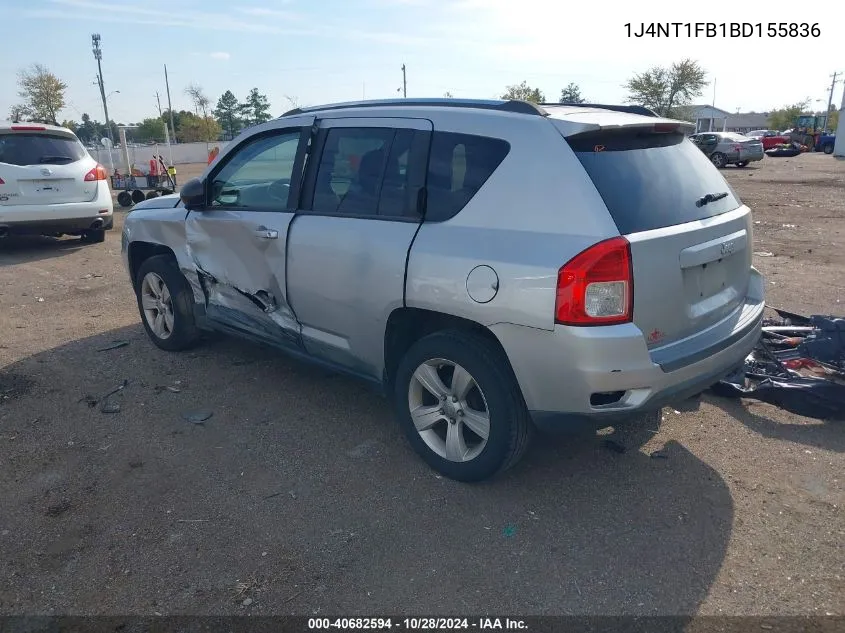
column 160, row 388
column 58, row 508
column 509, row 531
column 191, row 520
column 764, row 254
column 197, row 417
column 659, row 455
column 797, row 365
column 113, row 345
column 789, row 226
column 136, row 464
column 614, row 446
column 92, row 402
column 110, row 407
column 247, row 602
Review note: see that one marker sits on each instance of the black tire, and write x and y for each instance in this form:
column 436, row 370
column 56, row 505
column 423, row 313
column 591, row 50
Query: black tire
column 743, row 163
column 151, row 194
column 510, row 429
column 94, row 236
column 718, row 159
column 124, row 199
column 828, row 148
column 185, row 333
column 138, row 196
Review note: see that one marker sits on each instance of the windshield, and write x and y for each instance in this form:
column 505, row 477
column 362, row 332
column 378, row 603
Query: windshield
column 24, row 149
column 650, row 181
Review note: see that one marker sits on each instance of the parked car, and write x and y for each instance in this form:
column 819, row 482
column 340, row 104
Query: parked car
column 729, row 148
column 769, row 138
column 825, row 143
column 50, row 185
column 491, row 266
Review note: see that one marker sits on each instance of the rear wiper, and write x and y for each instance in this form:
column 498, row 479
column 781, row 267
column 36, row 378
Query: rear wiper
column 54, row 159
column 710, row 197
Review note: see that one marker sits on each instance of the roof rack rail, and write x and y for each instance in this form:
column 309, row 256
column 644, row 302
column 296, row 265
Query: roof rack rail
column 631, row 109
column 519, row 107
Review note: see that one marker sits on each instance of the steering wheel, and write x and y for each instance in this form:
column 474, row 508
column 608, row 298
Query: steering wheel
column 279, row 190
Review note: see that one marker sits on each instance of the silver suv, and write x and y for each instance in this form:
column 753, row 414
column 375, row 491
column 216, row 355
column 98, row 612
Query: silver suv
column 492, row 266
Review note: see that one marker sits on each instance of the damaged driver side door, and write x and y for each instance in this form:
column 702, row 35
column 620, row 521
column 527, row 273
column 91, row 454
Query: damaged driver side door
column 238, row 239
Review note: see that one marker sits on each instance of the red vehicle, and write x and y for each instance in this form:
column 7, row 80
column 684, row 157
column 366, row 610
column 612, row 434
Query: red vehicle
column 770, row 138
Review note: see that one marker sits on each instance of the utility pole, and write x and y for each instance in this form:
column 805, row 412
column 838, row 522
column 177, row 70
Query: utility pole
column 169, row 106
column 829, row 102
column 404, row 83
column 160, row 115
column 98, row 55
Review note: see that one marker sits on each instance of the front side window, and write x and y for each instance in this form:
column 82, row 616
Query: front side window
column 258, row 176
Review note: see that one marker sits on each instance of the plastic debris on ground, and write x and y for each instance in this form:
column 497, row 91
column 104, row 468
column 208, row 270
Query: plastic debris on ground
column 797, row 365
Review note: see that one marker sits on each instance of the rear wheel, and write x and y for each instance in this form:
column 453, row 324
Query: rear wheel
column 718, row 159
column 165, row 302
column 828, row 148
column 94, row 236
column 460, row 406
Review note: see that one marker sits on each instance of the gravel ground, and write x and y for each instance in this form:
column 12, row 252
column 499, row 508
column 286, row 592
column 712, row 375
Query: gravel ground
column 298, row 495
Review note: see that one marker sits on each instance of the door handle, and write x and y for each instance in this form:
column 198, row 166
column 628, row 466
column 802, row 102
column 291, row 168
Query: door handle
column 267, row 234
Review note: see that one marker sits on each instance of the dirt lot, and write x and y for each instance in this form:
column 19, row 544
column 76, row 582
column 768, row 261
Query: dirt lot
column 299, row 495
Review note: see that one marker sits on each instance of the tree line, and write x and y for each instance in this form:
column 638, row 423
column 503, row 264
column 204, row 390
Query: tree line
column 667, row 90
column 42, row 98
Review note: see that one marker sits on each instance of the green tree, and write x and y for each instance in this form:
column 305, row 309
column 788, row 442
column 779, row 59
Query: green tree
column 151, row 129
column 71, row 125
column 571, row 94
column 833, row 120
column 666, row 90
column 227, row 114
column 256, row 108
column 194, row 128
column 523, row 92
column 448, row 95
column 43, row 95
column 784, row 118
column 198, row 98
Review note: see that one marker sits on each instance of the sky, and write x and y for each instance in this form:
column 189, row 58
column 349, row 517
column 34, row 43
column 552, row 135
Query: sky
column 310, row 52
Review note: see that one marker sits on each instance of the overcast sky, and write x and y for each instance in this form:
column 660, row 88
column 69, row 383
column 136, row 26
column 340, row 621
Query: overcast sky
column 319, row 51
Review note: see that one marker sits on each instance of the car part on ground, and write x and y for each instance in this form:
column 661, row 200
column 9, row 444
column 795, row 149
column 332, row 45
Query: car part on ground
column 400, row 242
column 798, row 365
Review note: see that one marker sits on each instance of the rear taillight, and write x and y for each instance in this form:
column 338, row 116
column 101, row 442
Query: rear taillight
column 2, row 182
column 98, row 173
column 596, row 287
column 28, row 128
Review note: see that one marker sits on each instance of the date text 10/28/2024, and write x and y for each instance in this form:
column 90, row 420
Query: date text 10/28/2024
column 723, row 29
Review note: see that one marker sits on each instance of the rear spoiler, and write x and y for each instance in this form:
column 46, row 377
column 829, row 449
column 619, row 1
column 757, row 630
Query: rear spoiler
column 630, row 109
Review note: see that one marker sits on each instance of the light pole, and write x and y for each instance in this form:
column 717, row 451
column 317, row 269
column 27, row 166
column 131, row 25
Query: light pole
column 98, row 55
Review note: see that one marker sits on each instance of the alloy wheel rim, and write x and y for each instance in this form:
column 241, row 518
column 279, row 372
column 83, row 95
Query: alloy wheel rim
column 157, row 305
column 449, row 410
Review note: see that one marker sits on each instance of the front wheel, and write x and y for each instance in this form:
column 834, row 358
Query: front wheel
column 718, row 159
column 460, row 407
column 165, row 302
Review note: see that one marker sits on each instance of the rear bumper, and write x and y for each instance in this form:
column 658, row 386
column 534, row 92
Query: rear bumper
column 62, row 214
column 577, row 377
column 73, row 226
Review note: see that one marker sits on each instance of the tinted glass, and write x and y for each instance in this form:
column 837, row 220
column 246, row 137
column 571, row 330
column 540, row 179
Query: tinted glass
column 459, row 166
column 649, row 181
column 351, row 171
column 23, row 149
column 258, row 175
column 394, row 199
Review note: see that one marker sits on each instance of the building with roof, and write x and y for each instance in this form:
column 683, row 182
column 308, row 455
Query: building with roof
column 707, row 118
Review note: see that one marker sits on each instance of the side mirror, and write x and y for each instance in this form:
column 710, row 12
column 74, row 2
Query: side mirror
column 192, row 194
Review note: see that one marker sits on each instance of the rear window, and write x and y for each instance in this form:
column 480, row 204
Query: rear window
column 459, row 166
column 649, row 181
column 21, row 148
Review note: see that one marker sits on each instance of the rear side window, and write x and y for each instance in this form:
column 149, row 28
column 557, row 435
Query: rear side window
column 21, row 148
column 649, row 181
column 459, row 166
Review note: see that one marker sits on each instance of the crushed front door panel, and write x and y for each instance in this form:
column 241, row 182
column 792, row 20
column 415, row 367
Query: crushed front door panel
column 240, row 260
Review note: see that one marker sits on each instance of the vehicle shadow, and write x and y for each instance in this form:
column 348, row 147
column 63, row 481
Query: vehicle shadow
column 27, row 249
column 298, row 495
column 816, row 433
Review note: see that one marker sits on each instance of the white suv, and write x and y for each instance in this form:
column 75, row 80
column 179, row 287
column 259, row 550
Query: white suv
column 50, row 185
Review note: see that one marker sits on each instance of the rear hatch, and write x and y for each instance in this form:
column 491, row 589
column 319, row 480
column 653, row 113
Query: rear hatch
column 690, row 235
column 748, row 147
column 43, row 166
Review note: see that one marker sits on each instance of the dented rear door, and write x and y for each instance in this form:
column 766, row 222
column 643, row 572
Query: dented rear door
column 237, row 242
